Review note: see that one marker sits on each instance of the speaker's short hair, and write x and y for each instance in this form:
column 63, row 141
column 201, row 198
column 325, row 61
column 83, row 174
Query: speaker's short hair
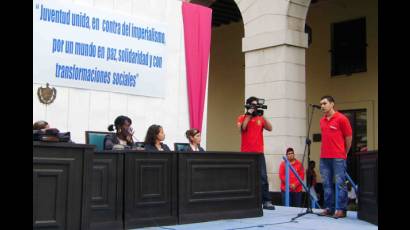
column 329, row 98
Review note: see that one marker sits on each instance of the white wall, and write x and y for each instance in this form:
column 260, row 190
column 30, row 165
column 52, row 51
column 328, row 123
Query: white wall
column 78, row 110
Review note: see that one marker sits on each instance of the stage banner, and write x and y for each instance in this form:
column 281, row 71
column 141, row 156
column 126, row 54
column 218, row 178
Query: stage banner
column 91, row 48
column 197, row 35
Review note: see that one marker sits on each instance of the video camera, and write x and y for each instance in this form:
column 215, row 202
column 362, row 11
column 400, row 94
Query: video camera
column 258, row 108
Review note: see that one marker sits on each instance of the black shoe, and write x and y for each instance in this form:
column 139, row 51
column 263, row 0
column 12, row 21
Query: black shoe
column 268, row 205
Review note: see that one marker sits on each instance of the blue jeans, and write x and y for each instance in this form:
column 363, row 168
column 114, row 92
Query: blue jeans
column 264, row 180
column 334, row 168
column 295, row 199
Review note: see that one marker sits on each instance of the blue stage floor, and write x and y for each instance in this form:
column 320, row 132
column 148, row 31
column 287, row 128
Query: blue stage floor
column 279, row 220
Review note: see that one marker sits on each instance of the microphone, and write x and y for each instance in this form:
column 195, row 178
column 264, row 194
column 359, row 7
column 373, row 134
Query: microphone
column 315, row 106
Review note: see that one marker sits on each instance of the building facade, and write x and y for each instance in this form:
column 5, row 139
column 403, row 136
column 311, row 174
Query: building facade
column 279, row 50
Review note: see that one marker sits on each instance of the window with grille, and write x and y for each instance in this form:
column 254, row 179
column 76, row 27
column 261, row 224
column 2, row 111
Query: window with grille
column 348, row 51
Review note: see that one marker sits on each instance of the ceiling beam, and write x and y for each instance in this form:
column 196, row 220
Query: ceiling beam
column 225, row 5
column 228, row 11
column 220, row 21
column 220, row 15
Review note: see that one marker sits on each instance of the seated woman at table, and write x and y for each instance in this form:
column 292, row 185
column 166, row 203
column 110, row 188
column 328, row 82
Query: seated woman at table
column 122, row 138
column 194, row 138
column 41, row 125
column 42, row 131
column 153, row 139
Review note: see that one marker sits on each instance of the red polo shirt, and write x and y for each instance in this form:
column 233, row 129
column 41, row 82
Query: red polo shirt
column 297, row 165
column 334, row 132
column 252, row 137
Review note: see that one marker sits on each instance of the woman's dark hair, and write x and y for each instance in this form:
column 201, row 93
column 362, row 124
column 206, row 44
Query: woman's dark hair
column 152, row 133
column 40, row 125
column 118, row 122
column 250, row 99
column 191, row 133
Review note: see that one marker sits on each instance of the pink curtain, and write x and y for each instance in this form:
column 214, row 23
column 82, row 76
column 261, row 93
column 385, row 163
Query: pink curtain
column 197, row 33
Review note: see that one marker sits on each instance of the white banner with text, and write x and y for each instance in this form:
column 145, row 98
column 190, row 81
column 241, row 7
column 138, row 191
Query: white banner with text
column 90, row 48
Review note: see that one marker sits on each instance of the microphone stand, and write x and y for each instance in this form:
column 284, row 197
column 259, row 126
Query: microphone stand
column 307, row 145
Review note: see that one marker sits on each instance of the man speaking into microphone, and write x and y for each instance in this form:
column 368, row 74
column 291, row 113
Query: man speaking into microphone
column 336, row 142
column 251, row 125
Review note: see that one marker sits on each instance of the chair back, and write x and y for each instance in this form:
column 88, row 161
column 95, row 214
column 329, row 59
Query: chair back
column 96, row 138
column 139, row 144
column 180, row 146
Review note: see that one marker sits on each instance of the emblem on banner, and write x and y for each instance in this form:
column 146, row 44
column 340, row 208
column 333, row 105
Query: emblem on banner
column 46, row 95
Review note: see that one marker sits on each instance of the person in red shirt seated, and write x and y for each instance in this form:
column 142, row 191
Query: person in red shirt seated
column 295, row 187
column 251, row 125
column 336, row 142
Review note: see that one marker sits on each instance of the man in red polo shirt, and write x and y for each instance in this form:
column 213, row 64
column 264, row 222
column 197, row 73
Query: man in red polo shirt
column 336, row 142
column 295, row 187
column 251, row 126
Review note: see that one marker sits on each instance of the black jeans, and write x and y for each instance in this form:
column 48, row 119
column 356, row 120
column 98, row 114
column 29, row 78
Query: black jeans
column 295, row 199
column 264, row 180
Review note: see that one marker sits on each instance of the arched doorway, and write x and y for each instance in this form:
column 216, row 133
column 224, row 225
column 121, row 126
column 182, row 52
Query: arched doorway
column 226, row 77
column 273, row 43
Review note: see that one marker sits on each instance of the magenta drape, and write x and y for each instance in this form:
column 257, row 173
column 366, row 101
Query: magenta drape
column 197, row 33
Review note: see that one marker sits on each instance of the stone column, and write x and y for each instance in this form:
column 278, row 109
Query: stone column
column 274, row 46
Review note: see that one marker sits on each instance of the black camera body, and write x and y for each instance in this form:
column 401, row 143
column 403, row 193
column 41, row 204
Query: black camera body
column 258, row 108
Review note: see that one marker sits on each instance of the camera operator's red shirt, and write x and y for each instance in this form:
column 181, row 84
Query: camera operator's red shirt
column 252, row 137
column 334, row 132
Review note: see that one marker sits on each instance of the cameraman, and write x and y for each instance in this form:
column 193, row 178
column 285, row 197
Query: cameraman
column 251, row 125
